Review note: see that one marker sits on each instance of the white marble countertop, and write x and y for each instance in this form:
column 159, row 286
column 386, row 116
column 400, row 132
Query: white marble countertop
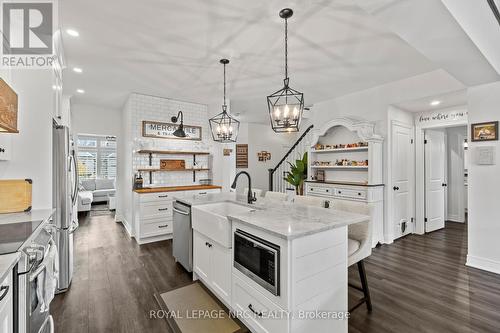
column 7, row 262
column 282, row 219
column 31, row 216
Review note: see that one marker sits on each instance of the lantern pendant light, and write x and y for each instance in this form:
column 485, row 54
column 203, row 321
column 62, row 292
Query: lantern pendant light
column 224, row 128
column 287, row 104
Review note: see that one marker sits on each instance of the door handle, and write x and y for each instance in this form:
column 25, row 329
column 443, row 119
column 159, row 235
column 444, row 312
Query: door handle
column 180, row 211
column 259, row 314
column 5, row 290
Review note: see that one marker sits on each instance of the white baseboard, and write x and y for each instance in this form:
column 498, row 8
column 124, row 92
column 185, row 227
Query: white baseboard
column 126, row 226
column 455, row 218
column 484, row 264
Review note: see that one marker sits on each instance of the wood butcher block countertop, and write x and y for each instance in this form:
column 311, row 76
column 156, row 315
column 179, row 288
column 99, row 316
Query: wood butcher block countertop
column 176, row 188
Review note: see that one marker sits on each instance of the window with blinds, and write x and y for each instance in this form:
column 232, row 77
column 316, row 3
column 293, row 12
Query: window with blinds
column 96, row 157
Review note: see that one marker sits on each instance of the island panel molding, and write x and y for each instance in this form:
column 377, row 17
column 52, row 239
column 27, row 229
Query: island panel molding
column 156, row 129
column 8, row 108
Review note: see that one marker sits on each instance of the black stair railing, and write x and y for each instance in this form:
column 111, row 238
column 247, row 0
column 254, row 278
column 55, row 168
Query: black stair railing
column 273, row 170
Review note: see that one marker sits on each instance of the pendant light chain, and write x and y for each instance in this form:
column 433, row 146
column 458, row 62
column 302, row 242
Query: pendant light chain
column 286, row 105
column 286, row 48
column 224, row 84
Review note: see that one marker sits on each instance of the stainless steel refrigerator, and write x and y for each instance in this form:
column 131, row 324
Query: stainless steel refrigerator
column 65, row 193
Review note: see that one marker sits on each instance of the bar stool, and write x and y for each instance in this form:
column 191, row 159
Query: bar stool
column 358, row 246
column 358, row 241
column 275, row 196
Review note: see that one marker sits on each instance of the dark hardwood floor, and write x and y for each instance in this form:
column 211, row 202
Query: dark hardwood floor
column 418, row 284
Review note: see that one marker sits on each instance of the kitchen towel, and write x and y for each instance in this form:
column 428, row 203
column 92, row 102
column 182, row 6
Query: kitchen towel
column 47, row 280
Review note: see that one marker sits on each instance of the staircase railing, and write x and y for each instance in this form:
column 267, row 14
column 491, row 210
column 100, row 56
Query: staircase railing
column 276, row 174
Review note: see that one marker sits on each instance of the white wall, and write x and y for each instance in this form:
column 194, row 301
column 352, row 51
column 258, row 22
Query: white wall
column 455, row 164
column 261, row 137
column 141, row 107
column 373, row 104
column 32, row 146
column 92, row 119
column 484, row 183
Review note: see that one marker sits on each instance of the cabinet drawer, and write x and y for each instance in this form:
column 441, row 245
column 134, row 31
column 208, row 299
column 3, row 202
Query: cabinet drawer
column 320, row 190
column 157, row 197
column 257, row 310
column 202, row 192
column 156, row 228
column 350, row 193
column 156, row 209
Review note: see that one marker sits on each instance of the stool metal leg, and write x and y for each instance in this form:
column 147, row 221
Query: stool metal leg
column 364, row 285
column 364, row 288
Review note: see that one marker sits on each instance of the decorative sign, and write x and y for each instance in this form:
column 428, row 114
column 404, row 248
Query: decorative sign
column 485, row 155
column 172, row 164
column 154, row 129
column 264, row 156
column 8, row 108
column 227, row 152
column 485, row 131
column 436, row 117
column 241, row 156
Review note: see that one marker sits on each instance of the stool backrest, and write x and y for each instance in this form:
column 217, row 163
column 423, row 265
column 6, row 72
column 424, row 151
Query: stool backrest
column 309, row 201
column 362, row 232
column 275, row 196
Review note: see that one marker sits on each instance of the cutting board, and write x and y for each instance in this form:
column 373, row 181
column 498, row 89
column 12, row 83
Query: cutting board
column 15, row 195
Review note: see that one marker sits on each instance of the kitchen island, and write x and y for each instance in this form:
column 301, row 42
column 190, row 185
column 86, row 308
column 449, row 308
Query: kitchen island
column 280, row 267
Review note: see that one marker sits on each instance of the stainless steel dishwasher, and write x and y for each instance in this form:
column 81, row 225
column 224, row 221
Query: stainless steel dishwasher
column 183, row 235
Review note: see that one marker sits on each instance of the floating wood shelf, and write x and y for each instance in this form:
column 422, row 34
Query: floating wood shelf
column 173, row 152
column 168, row 170
column 337, row 150
column 351, row 167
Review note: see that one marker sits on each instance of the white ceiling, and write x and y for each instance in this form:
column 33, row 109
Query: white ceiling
column 448, row 100
column 172, row 48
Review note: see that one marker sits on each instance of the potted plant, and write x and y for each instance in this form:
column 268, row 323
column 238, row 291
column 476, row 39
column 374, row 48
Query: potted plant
column 297, row 174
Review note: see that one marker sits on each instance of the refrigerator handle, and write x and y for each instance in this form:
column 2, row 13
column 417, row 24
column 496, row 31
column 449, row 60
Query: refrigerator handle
column 73, row 167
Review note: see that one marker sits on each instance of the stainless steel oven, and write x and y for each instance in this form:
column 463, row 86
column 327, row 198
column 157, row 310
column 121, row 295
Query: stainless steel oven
column 258, row 259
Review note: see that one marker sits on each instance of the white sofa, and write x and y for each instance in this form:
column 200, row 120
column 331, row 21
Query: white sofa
column 94, row 190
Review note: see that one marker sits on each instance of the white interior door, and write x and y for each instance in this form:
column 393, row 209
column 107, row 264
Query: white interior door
column 402, row 179
column 435, row 179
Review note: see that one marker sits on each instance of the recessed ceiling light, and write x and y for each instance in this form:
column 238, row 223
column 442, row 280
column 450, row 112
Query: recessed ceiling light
column 72, row 32
column 77, row 70
column 435, row 103
column 80, row 91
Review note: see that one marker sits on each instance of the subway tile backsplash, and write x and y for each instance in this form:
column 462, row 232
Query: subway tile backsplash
column 144, row 107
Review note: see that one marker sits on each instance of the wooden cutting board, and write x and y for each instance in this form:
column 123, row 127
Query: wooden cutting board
column 15, row 195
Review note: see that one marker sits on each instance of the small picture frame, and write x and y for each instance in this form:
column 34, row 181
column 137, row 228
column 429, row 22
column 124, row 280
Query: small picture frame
column 487, row 131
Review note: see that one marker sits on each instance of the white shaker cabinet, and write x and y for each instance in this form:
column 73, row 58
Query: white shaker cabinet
column 212, row 264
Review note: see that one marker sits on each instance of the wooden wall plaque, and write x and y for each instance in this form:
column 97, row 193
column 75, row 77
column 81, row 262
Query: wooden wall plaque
column 172, row 164
column 242, row 156
column 8, row 108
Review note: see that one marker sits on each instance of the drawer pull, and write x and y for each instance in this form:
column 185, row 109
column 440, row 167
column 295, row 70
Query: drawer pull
column 5, row 290
column 208, row 244
column 259, row 314
column 162, row 209
column 163, row 196
column 163, row 226
column 202, row 193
